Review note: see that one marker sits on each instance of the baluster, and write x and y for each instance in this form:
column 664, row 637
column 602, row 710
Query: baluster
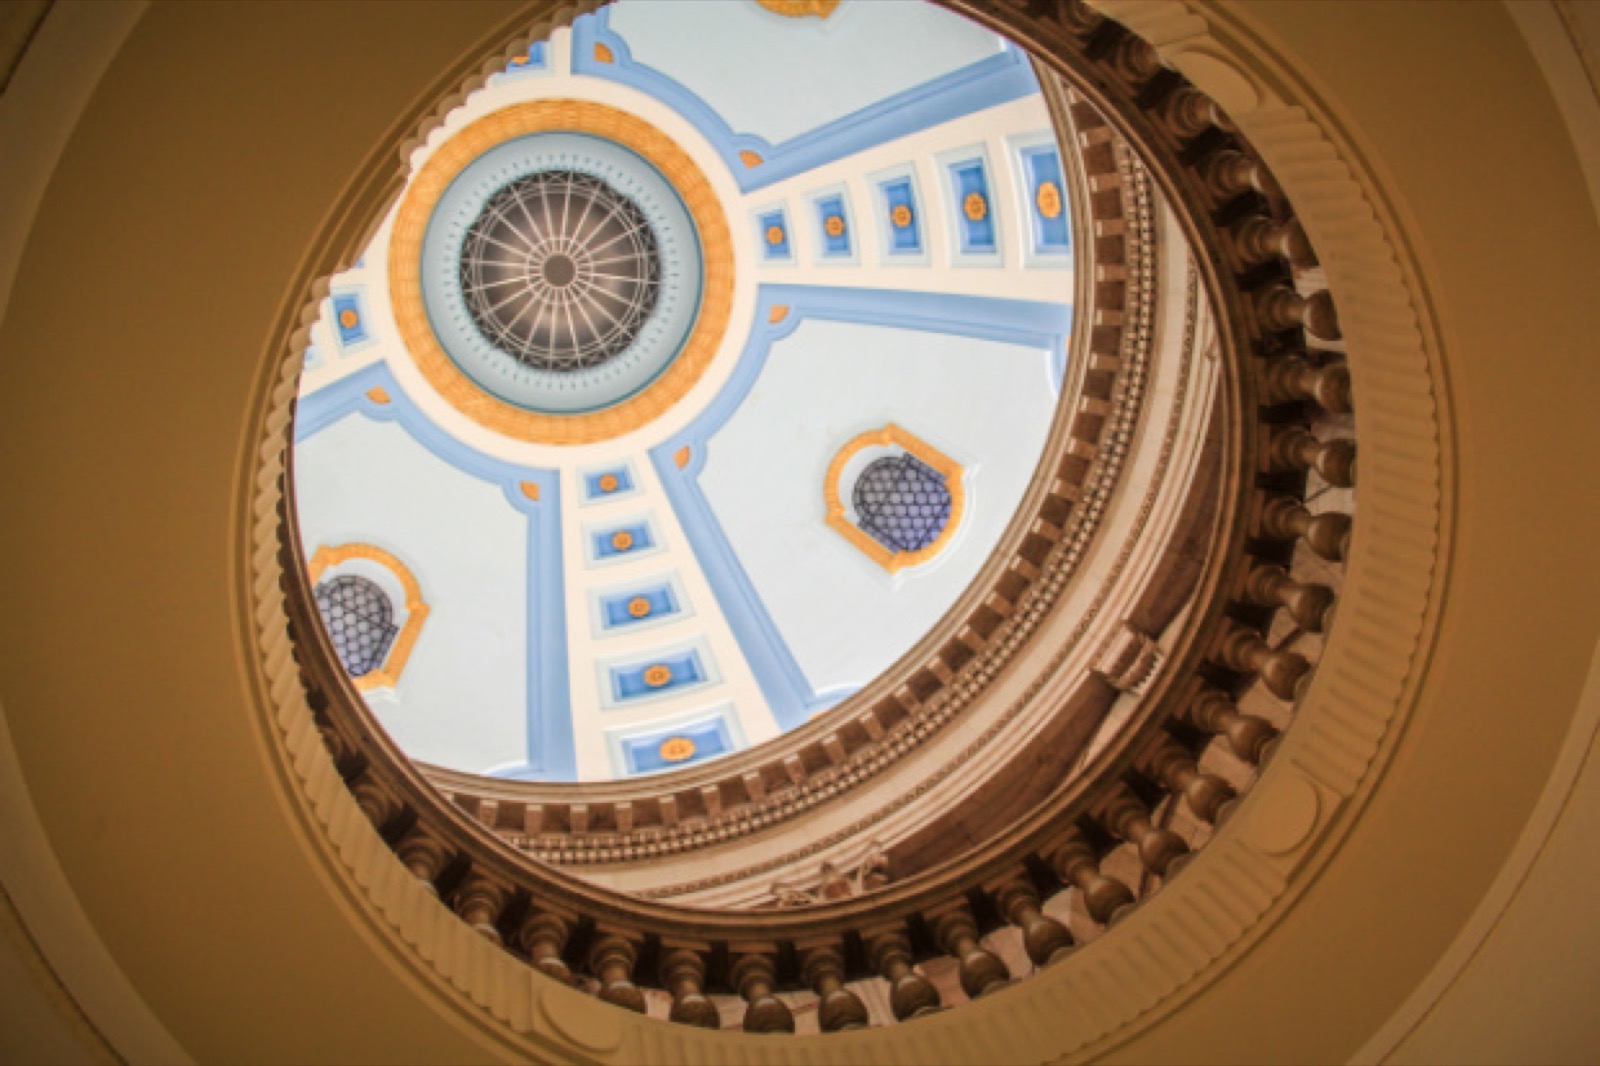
column 1283, row 672
column 376, row 802
column 1247, row 734
column 1190, row 112
column 1126, row 817
column 838, row 1008
column 1279, row 307
column 479, row 903
column 1173, row 765
column 911, row 995
column 1228, row 173
column 1105, row 898
column 611, row 960
column 754, row 975
column 981, row 971
column 1259, row 238
column 683, row 972
column 1290, row 377
column 1297, row 449
column 1310, row 605
column 1135, row 60
column 543, row 937
column 1045, row 939
column 1327, row 534
column 1078, row 17
column 333, row 740
column 425, row 857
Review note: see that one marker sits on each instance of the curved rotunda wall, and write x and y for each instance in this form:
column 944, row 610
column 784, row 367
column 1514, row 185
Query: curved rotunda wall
column 196, row 842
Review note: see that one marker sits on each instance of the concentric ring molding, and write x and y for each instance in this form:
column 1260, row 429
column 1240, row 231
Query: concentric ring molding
column 1186, row 934
column 564, row 116
column 662, row 333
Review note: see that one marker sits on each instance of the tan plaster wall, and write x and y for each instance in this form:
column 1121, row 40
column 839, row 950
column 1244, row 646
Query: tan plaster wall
column 207, row 158
column 1451, row 110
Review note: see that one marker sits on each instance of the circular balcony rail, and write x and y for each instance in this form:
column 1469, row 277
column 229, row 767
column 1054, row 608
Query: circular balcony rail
column 1264, row 592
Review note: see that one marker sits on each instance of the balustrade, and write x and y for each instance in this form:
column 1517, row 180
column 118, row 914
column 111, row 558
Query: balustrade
column 1279, row 308
column 1258, row 239
column 911, row 995
column 1247, row 735
column 1175, row 766
column 1291, row 377
column 1105, row 898
column 543, row 938
column 1228, row 173
column 1327, row 534
column 611, row 959
column 1044, row 939
column 376, row 802
column 980, row 970
column 1296, row 449
column 1281, row 670
column 683, row 973
column 838, row 1008
column 754, row 975
column 479, row 902
column 1308, row 604
column 1189, row 112
column 425, row 857
column 1127, row 818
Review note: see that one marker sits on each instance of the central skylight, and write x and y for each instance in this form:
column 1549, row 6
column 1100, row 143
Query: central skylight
column 560, row 271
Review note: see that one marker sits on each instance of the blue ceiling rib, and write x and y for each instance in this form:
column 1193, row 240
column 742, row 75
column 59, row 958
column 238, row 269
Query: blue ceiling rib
column 783, row 683
column 1001, row 78
column 551, row 752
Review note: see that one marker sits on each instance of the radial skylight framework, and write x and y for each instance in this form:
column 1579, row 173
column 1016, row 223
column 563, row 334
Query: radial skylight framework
column 560, row 271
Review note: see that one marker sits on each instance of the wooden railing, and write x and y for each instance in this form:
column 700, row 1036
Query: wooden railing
column 1087, row 852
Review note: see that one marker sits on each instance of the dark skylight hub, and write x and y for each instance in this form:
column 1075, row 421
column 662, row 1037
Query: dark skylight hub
column 560, row 271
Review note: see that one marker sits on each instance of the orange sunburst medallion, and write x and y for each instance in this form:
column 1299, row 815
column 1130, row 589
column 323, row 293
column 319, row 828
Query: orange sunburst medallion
column 622, row 540
column 900, row 216
column 677, row 749
column 658, row 675
column 639, row 607
column 975, row 206
column 1049, row 200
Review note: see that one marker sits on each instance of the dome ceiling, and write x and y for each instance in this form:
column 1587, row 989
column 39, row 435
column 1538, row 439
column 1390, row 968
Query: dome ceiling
column 696, row 374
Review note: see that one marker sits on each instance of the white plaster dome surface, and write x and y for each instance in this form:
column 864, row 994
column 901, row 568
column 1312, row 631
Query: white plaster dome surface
column 683, row 588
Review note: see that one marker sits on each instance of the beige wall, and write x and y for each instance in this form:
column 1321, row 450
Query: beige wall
column 160, row 258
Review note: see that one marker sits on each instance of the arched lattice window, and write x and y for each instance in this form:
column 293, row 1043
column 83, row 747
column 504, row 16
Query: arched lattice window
column 901, row 502
column 360, row 619
column 894, row 496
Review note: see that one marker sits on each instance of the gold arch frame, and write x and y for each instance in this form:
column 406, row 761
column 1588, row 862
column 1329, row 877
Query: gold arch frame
column 417, row 609
column 574, row 116
column 893, row 434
